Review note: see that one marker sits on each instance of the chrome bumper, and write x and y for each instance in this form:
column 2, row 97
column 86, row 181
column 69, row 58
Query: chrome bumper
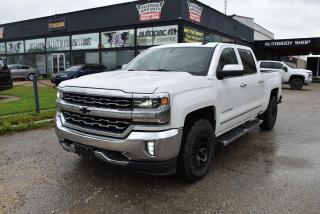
column 167, row 143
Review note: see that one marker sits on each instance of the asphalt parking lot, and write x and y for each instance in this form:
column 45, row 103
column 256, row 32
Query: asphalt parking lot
column 263, row 172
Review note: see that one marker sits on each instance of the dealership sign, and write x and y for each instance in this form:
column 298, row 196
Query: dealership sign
column 195, row 12
column 57, row 24
column 58, row 43
column 157, row 35
column 289, row 43
column 1, row 32
column 85, row 41
column 150, row 11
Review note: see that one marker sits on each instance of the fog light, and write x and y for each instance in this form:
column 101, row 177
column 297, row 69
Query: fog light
column 150, row 148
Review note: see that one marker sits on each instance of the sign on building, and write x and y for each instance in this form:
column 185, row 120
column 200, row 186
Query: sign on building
column 192, row 35
column 1, row 32
column 157, row 35
column 85, row 41
column 195, row 12
column 117, row 39
column 15, row 47
column 150, row 11
column 57, row 24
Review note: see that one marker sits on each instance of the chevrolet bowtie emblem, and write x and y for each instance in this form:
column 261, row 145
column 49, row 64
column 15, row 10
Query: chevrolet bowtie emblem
column 84, row 110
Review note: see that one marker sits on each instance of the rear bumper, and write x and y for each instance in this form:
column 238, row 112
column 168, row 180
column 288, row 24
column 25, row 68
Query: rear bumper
column 5, row 85
column 129, row 152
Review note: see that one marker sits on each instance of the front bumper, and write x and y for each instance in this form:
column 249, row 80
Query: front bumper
column 308, row 81
column 130, row 152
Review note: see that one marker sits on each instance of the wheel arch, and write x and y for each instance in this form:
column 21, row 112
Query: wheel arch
column 207, row 113
column 295, row 76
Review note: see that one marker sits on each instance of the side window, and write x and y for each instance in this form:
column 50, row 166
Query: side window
column 248, row 62
column 228, row 57
column 24, row 67
column 266, row 65
column 277, row 65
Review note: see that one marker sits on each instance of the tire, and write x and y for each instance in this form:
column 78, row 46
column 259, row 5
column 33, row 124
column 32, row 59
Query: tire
column 197, row 150
column 31, row 77
column 296, row 84
column 270, row 116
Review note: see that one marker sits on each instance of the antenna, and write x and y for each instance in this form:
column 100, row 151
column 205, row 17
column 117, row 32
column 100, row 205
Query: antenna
column 225, row 6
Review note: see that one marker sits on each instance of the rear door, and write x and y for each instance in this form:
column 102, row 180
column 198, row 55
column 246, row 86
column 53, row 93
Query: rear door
column 253, row 83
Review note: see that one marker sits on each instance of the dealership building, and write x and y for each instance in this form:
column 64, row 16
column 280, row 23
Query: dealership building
column 113, row 35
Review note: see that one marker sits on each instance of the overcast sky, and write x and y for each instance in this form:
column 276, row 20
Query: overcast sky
column 286, row 18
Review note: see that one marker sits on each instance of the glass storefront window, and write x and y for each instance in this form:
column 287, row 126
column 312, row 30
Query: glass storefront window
column 157, row 35
column 37, row 61
column 2, row 48
column 192, row 35
column 3, row 58
column 117, row 39
column 211, row 37
column 15, row 59
column 15, row 47
column 85, row 58
column 115, row 59
column 35, row 45
column 58, row 43
column 85, row 41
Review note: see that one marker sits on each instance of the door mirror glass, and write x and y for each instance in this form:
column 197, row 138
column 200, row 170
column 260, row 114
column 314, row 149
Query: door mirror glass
column 231, row 71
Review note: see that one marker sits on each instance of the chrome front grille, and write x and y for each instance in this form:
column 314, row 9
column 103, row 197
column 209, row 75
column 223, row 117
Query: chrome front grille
column 96, row 124
column 98, row 101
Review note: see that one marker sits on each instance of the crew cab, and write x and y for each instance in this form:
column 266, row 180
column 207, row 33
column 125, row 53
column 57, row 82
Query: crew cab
column 168, row 109
column 5, row 77
column 295, row 77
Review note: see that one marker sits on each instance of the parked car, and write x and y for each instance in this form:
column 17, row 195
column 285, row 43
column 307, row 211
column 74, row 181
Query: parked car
column 77, row 71
column 5, row 77
column 169, row 109
column 24, row 72
column 296, row 78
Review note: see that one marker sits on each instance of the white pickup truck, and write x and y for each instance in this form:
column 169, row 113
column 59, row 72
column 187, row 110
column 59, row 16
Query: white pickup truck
column 295, row 77
column 168, row 109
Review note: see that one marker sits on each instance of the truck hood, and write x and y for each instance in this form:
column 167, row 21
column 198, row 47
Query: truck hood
column 130, row 81
column 304, row 71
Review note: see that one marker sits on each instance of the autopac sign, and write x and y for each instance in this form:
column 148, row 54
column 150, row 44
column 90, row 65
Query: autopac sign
column 150, row 11
column 195, row 12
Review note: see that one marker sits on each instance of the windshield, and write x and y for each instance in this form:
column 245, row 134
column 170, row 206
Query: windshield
column 73, row 68
column 194, row 60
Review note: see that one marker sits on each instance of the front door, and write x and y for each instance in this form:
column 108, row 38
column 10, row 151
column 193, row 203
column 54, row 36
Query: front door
column 58, row 63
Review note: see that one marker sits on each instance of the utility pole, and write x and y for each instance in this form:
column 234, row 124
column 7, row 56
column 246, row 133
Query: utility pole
column 225, row 6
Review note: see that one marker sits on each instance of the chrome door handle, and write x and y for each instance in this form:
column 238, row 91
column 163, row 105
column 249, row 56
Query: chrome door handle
column 243, row 85
column 261, row 81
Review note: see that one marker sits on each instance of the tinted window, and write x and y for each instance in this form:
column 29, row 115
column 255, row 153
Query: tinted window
column 228, row 57
column 24, row 67
column 266, row 65
column 248, row 61
column 277, row 65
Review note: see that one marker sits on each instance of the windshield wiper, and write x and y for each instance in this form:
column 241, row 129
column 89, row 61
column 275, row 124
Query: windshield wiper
column 160, row 69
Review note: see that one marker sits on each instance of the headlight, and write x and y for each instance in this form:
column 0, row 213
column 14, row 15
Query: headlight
column 150, row 103
column 64, row 76
column 151, row 109
column 59, row 94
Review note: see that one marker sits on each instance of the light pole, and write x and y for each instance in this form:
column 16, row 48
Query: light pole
column 225, row 6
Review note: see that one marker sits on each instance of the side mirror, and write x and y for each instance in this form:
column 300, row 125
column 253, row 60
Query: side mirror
column 123, row 66
column 230, row 71
column 285, row 69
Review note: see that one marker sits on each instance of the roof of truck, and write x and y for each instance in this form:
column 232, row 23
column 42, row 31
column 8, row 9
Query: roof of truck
column 210, row 45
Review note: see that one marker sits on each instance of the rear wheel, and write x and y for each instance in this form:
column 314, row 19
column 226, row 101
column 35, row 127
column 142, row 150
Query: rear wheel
column 270, row 116
column 31, row 77
column 296, row 84
column 197, row 150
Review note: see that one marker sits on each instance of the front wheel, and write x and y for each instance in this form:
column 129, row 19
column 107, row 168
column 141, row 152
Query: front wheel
column 296, row 84
column 197, row 150
column 270, row 116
